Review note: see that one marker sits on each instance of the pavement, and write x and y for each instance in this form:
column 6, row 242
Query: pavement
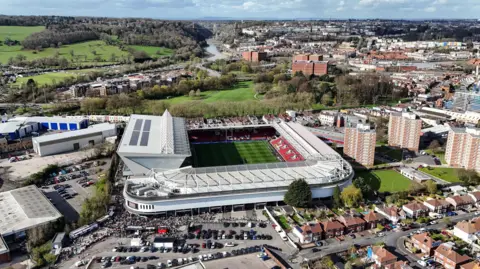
column 393, row 241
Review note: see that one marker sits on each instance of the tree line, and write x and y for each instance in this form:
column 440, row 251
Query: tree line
column 54, row 39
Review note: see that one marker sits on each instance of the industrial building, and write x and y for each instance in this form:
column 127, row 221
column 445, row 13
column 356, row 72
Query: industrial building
column 21, row 210
column 55, row 123
column 12, row 130
column 404, row 130
column 73, row 140
column 156, row 148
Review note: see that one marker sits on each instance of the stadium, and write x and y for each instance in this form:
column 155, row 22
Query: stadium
column 173, row 169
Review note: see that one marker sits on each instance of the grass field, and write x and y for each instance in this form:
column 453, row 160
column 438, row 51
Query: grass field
column 18, row 32
column 219, row 154
column 440, row 155
column 152, row 51
column 242, row 91
column 385, row 180
column 84, row 52
column 50, row 78
column 447, row 174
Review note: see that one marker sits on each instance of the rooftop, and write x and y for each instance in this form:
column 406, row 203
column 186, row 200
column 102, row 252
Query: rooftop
column 25, row 208
column 97, row 128
column 452, row 255
column 48, row 119
column 157, row 135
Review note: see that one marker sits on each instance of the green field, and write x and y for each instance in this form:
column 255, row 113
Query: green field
column 18, row 32
column 218, row 154
column 440, row 155
column 152, row 51
column 385, row 180
column 447, row 174
column 242, row 91
column 50, row 78
column 83, row 53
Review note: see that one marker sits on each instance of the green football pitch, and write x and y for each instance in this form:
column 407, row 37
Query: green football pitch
column 218, row 154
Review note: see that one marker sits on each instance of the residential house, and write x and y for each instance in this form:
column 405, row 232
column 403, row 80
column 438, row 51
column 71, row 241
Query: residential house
column 308, row 233
column 352, row 224
column 425, row 243
column 470, row 265
column 415, row 210
column 398, row 265
column 303, row 233
column 448, row 257
column 389, row 212
column 460, row 201
column 475, row 197
column 383, row 257
column 372, row 219
column 437, row 205
column 468, row 231
column 332, row 228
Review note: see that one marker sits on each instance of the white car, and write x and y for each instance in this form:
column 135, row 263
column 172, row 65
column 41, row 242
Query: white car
column 433, row 222
column 422, row 263
column 380, row 234
column 476, row 213
column 229, row 244
column 169, row 263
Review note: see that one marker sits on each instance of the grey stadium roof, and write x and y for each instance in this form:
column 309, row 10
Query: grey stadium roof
column 25, row 208
column 156, row 135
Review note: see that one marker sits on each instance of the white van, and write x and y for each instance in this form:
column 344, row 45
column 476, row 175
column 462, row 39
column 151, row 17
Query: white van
column 169, row 263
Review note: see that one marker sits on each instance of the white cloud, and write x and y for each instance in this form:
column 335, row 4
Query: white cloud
column 430, row 9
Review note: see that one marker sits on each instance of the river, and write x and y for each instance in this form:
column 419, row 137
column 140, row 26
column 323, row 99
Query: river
column 212, row 49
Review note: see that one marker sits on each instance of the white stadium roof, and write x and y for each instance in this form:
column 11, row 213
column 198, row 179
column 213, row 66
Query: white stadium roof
column 156, row 135
column 25, row 208
column 322, row 165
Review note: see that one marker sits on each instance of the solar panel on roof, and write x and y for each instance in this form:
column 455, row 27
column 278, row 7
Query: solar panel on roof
column 146, row 126
column 134, row 138
column 144, row 139
column 138, row 125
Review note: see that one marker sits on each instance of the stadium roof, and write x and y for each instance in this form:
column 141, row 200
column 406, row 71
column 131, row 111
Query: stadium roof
column 71, row 135
column 24, row 208
column 47, row 119
column 156, row 135
column 10, row 126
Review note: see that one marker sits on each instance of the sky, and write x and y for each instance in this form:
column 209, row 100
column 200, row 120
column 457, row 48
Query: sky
column 249, row 9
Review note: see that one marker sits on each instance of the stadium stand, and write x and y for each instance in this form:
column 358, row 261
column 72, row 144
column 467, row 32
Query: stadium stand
column 287, row 151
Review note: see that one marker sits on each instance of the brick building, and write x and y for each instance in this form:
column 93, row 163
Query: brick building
column 425, row 243
column 254, row 56
column 359, row 144
column 462, row 148
column 308, row 68
column 307, row 57
column 449, row 258
column 404, row 130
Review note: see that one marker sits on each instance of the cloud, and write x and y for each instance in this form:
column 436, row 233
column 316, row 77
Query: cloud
column 321, row 9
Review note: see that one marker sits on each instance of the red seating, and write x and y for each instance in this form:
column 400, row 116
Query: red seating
column 287, row 151
column 229, row 135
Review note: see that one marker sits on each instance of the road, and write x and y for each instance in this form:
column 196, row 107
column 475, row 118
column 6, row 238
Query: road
column 211, row 73
column 394, row 241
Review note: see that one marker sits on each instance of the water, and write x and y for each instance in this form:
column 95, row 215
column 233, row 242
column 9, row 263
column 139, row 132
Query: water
column 212, row 49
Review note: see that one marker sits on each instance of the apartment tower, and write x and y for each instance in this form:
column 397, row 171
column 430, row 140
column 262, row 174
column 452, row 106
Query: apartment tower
column 463, row 148
column 359, row 143
column 404, row 130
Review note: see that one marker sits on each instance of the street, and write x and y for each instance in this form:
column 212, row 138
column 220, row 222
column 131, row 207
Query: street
column 394, row 241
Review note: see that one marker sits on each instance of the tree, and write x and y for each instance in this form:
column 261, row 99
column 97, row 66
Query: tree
column 113, row 57
column 431, row 186
column 415, row 187
column 72, row 53
column 380, row 227
column 351, row 196
column 94, row 52
column 337, row 199
column 198, row 93
column 298, row 194
column 191, row 93
column 470, row 177
column 434, row 146
column 348, row 265
column 326, row 99
column 363, row 185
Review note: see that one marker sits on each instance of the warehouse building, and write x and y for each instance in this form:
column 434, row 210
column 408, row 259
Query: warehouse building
column 55, row 123
column 12, row 130
column 21, row 210
column 73, row 140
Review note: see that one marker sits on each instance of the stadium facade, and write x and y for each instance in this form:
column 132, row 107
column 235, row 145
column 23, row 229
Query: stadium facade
column 161, row 180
